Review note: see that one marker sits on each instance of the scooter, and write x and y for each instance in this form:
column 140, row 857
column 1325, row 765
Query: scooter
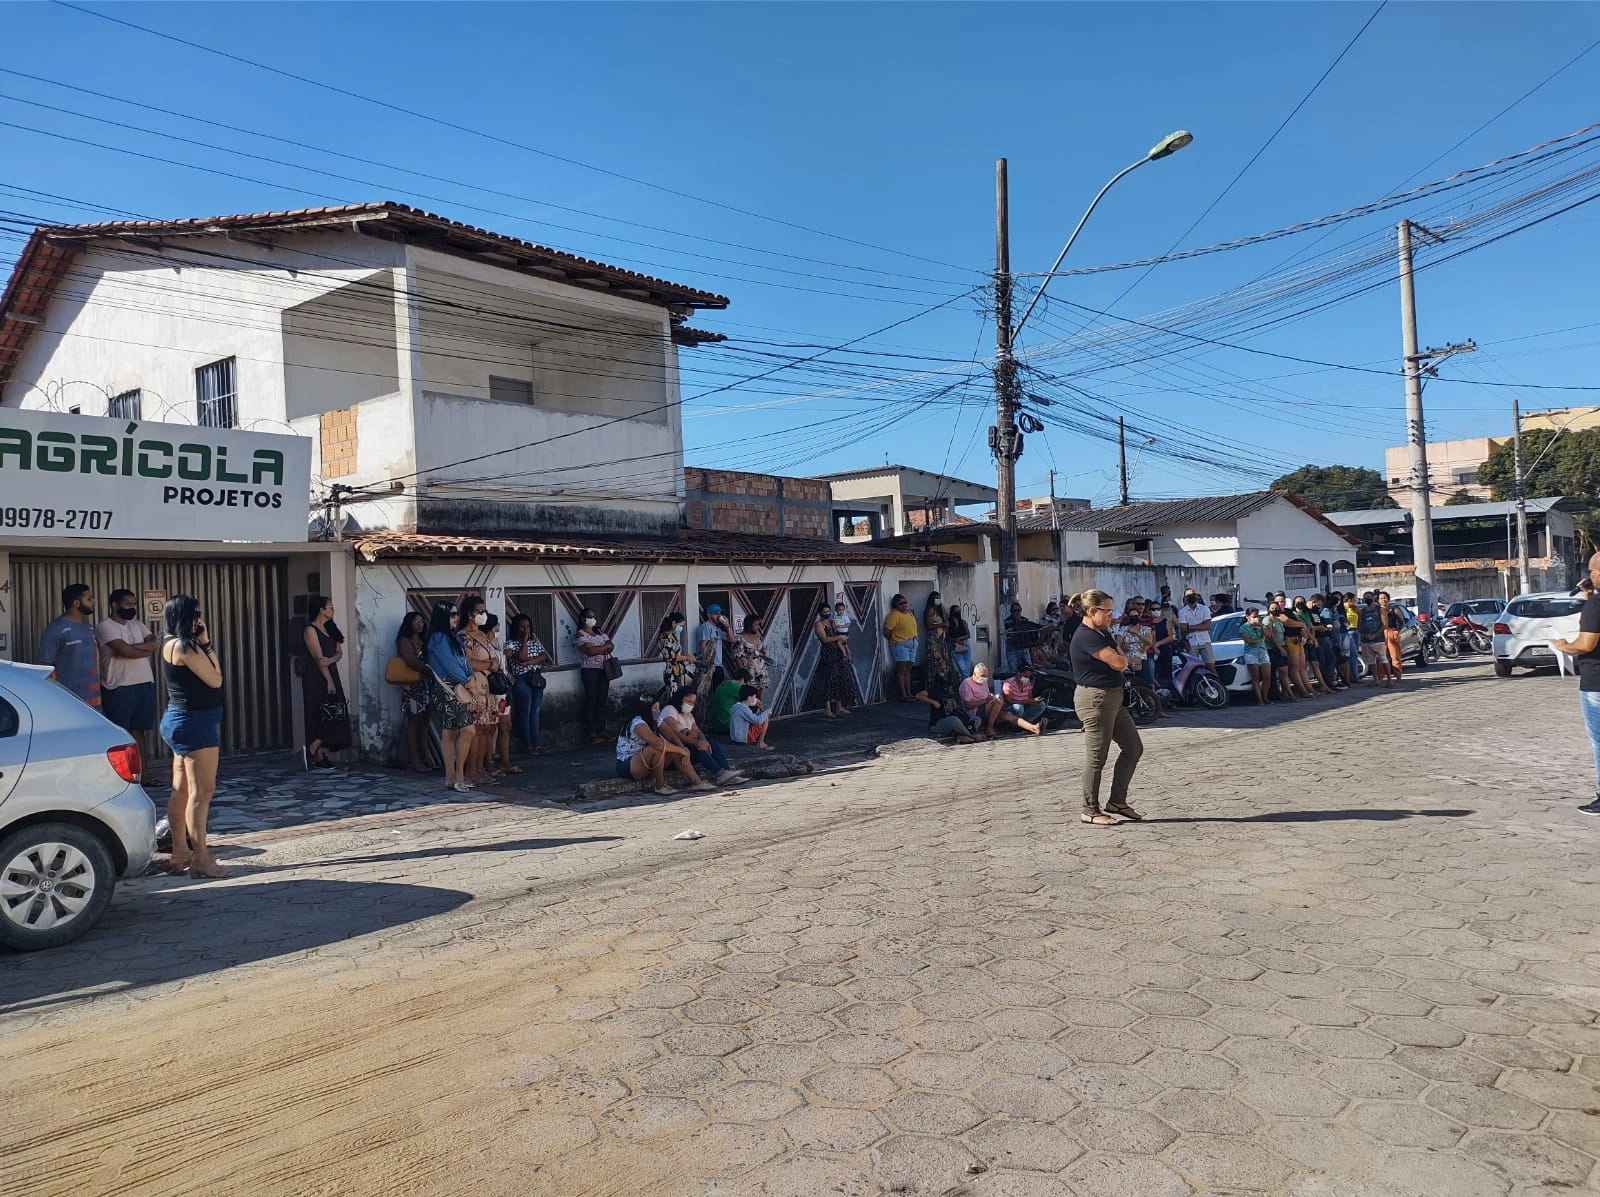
column 1195, row 683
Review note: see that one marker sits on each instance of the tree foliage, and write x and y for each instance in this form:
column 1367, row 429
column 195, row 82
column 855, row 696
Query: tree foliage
column 1570, row 467
column 1462, row 499
column 1338, row 488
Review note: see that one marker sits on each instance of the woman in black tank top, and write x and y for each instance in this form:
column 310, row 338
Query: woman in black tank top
column 191, row 727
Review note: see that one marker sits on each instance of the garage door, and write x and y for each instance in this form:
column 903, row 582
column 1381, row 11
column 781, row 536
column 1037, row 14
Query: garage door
column 245, row 602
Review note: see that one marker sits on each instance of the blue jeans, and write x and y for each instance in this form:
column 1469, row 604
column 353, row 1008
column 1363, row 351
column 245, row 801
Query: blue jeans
column 1015, row 658
column 712, row 762
column 963, row 662
column 1590, row 703
column 526, row 703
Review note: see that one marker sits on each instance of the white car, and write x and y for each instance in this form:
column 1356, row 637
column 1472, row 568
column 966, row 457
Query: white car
column 73, row 817
column 1523, row 631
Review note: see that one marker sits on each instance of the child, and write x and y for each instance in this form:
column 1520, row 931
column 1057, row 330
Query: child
column 747, row 722
column 841, row 622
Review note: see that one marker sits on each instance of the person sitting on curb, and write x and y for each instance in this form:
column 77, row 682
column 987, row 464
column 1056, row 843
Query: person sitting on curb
column 986, row 709
column 677, row 726
column 748, row 720
column 1020, row 702
column 723, row 699
column 945, row 717
column 642, row 753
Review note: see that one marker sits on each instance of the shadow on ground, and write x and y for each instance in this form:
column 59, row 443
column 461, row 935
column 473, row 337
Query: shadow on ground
column 1357, row 814
column 206, row 929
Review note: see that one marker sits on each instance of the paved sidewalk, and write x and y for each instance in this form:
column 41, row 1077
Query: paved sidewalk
column 1349, row 952
column 272, row 790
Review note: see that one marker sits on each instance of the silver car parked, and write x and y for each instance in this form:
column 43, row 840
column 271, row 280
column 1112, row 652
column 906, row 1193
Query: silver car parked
column 73, row 817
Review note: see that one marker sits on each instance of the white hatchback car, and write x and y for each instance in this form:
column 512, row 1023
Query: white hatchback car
column 73, row 817
column 1523, row 631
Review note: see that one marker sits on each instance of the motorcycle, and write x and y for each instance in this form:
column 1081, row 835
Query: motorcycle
column 1467, row 636
column 1055, row 687
column 1195, row 683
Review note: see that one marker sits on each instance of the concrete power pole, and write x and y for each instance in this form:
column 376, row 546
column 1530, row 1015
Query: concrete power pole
column 1055, row 527
column 1416, row 432
column 1122, row 463
column 1003, row 436
column 1522, row 500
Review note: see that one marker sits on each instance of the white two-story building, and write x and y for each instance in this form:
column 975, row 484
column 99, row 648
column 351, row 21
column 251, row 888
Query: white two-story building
column 481, row 413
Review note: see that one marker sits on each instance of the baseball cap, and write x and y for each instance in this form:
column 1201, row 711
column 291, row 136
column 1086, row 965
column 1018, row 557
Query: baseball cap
column 714, row 609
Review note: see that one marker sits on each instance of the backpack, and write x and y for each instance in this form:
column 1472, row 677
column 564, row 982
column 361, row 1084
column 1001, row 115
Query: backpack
column 1371, row 624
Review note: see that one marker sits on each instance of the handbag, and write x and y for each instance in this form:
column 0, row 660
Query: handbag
column 536, row 680
column 398, row 673
column 333, row 710
column 613, row 669
column 499, row 682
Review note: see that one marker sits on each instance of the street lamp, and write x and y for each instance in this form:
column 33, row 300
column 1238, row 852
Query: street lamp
column 1003, row 437
column 1165, row 148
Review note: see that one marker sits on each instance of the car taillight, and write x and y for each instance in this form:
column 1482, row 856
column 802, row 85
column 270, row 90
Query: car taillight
column 1501, row 629
column 124, row 759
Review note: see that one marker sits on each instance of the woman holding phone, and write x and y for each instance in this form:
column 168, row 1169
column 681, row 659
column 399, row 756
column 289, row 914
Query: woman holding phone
column 192, row 728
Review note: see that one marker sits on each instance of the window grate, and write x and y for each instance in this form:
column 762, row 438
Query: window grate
column 126, row 406
column 216, row 395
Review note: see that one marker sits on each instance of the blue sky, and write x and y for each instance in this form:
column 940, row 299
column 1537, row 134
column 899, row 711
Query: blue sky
column 878, row 125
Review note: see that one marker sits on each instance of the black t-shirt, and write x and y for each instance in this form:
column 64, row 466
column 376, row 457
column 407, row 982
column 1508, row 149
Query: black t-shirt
column 1589, row 662
column 1087, row 669
column 1396, row 621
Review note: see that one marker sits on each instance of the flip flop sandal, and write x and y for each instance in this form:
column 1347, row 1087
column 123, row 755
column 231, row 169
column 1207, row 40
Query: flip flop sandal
column 1098, row 820
column 1126, row 812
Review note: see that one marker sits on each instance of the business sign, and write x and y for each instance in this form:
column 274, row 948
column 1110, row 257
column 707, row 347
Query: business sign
column 155, row 604
column 71, row 477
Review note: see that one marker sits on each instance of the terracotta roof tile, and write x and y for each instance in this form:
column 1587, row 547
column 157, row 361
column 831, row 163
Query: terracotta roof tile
column 690, row 544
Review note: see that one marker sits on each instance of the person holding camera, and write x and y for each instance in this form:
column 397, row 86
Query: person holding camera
column 192, row 729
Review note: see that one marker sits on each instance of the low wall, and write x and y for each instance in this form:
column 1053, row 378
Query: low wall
column 1455, row 582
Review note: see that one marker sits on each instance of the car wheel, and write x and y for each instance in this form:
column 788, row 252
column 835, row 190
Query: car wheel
column 1502, row 668
column 1422, row 656
column 56, row 880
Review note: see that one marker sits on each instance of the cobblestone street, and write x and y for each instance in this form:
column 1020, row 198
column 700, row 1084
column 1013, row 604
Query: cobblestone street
column 1351, row 950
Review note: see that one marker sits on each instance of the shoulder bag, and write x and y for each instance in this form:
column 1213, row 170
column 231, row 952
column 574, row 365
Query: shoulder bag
column 613, row 668
column 398, row 673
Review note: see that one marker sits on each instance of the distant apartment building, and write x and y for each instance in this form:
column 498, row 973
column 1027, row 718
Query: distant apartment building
column 1452, row 467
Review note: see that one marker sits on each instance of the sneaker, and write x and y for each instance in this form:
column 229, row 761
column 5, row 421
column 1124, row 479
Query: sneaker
column 1591, row 808
column 305, row 759
column 326, row 762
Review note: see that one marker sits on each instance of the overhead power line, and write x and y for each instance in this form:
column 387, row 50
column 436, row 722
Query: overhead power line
column 499, row 140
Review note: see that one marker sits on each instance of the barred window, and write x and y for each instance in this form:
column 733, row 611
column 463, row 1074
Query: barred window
column 1299, row 574
column 217, row 395
column 125, row 406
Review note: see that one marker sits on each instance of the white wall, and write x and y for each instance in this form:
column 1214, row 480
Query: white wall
column 127, row 317
column 1278, row 534
column 1197, row 544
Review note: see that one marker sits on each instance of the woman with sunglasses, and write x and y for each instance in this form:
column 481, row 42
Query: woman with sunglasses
column 1098, row 666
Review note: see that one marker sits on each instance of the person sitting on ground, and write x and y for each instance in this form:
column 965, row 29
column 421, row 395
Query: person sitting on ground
column 723, row 700
column 1020, row 702
column 945, row 716
column 748, row 720
column 986, row 709
column 642, row 753
column 677, row 726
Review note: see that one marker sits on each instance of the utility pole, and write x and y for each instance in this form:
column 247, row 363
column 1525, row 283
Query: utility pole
column 1122, row 463
column 1003, row 436
column 1055, row 527
column 1415, row 364
column 1522, row 500
column 1416, row 433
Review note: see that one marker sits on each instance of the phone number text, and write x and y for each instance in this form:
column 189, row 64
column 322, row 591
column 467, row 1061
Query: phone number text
column 70, row 519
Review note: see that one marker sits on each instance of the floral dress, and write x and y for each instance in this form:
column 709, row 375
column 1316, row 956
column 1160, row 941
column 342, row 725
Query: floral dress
column 753, row 659
column 675, row 674
column 485, row 707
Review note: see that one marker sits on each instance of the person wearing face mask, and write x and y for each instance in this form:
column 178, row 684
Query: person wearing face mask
column 446, row 659
column 127, row 681
column 833, row 682
column 68, row 645
column 677, row 664
column 960, row 637
column 900, row 630
column 712, row 640
column 1255, row 656
column 594, row 649
column 937, row 661
column 1194, row 624
column 677, row 725
column 485, row 707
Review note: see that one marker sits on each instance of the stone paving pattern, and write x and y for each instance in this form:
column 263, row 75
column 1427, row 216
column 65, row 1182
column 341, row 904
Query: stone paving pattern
column 1349, row 952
